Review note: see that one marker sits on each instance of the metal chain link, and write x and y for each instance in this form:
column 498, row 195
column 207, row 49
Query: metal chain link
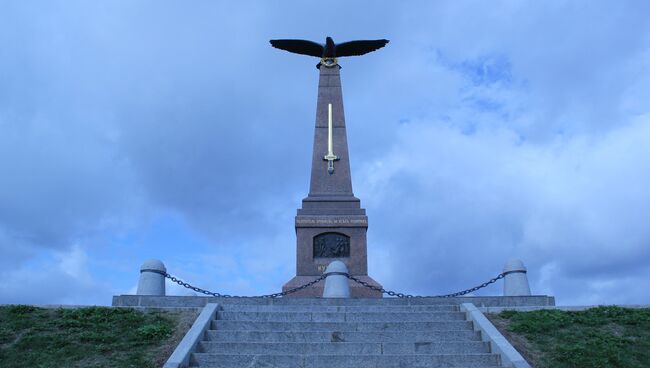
column 219, row 295
column 402, row 295
column 321, row 278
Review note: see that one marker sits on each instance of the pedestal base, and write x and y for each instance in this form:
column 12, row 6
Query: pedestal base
column 316, row 291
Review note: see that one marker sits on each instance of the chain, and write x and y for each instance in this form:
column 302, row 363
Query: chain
column 321, row 278
column 402, row 295
column 219, row 295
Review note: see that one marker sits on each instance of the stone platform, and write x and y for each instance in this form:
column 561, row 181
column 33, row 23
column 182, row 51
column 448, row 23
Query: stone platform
column 200, row 301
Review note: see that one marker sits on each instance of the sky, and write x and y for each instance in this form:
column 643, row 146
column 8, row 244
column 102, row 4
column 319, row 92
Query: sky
column 484, row 131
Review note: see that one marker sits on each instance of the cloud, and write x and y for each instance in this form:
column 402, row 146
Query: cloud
column 576, row 61
column 444, row 203
column 52, row 277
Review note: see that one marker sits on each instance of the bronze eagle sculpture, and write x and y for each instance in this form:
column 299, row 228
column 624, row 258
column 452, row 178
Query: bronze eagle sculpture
column 329, row 50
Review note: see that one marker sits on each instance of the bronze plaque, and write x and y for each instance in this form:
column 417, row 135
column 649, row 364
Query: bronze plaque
column 331, row 245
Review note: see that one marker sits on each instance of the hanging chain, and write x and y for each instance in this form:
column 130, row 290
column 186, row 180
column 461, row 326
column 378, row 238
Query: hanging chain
column 321, row 278
column 219, row 295
column 402, row 295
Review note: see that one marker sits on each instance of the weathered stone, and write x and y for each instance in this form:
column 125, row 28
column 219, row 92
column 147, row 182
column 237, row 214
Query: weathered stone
column 498, row 344
column 152, row 283
column 515, row 283
column 180, row 358
column 336, row 286
column 331, row 225
column 152, row 301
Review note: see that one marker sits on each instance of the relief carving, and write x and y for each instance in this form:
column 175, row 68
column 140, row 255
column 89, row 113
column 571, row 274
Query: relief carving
column 331, row 245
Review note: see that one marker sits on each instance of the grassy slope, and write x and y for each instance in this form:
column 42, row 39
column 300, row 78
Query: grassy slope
column 607, row 337
column 88, row 337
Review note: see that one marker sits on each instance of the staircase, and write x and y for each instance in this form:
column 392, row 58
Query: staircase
column 359, row 333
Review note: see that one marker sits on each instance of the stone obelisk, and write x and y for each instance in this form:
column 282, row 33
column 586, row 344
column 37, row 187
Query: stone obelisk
column 331, row 225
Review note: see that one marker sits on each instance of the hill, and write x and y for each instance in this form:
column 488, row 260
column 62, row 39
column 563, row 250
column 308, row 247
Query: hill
column 607, row 337
column 88, row 337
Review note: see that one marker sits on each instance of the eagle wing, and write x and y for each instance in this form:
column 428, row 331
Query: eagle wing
column 356, row 48
column 303, row 47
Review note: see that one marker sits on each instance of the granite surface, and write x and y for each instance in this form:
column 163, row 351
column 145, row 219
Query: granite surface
column 330, row 206
column 201, row 301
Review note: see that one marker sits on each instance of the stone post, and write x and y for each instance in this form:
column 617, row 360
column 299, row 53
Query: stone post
column 515, row 283
column 336, row 286
column 152, row 283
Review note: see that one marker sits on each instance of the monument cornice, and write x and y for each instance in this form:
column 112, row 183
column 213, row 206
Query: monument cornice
column 331, row 221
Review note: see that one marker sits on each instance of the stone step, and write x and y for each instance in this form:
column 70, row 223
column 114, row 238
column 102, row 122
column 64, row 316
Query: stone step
column 340, row 336
column 341, row 326
column 204, row 360
column 344, row 348
column 335, row 308
column 340, row 301
column 319, row 333
column 340, row 317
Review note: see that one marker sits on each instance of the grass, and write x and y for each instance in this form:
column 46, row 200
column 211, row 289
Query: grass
column 607, row 337
column 88, row 337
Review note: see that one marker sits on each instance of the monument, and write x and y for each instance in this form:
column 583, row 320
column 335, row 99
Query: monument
column 331, row 225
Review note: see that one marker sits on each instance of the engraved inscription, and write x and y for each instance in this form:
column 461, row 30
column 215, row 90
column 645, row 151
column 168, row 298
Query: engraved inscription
column 331, row 221
column 331, row 245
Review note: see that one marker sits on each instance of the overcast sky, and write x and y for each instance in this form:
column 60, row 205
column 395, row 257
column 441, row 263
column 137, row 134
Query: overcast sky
column 132, row 130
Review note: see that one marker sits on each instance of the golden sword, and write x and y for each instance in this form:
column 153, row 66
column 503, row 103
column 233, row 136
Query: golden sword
column 330, row 157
